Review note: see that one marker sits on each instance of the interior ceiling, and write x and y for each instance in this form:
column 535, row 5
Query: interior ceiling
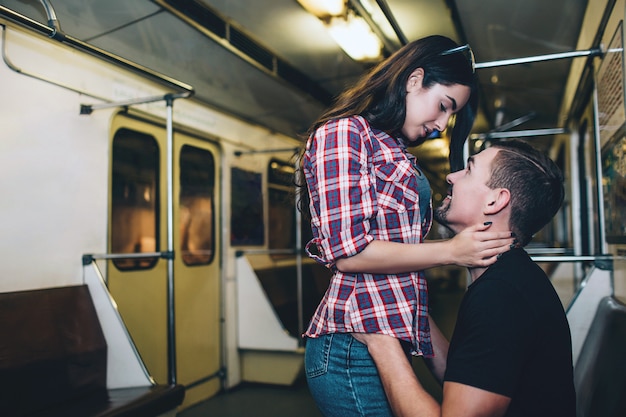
column 304, row 68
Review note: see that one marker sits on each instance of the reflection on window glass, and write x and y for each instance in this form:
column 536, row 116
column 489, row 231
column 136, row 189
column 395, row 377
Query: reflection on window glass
column 197, row 184
column 282, row 233
column 282, row 219
column 135, row 197
column 246, row 208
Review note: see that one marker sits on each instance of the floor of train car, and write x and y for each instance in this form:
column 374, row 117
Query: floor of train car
column 258, row 400
column 262, row 400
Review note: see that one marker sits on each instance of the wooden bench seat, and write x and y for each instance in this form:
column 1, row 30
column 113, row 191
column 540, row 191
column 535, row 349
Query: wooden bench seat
column 125, row 402
column 53, row 360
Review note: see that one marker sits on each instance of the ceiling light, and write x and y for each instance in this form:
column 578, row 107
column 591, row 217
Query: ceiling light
column 324, row 8
column 355, row 37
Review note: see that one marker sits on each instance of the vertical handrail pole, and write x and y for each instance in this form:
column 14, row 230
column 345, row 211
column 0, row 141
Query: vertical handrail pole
column 298, row 215
column 171, row 322
column 169, row 253
column 599, row 188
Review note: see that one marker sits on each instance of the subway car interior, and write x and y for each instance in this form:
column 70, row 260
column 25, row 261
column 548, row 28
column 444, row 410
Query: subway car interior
column 153, row 258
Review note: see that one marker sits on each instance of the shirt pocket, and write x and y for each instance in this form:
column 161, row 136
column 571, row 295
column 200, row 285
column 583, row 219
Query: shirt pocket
column 396, row 186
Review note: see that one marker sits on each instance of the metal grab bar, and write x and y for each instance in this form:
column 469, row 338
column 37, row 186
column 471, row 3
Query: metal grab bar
column 265, row 252
column 89, row 257
column 593, row 52
column 573, row 258
column 171, row 331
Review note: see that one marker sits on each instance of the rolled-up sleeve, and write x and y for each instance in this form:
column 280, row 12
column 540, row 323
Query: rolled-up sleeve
column 342, row 190
column 363, row 187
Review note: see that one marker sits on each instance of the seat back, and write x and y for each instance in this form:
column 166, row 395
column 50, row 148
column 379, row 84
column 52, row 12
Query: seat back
column 600, row 372
column 52, row 349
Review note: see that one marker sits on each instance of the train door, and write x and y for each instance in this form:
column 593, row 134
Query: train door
column 138, row 224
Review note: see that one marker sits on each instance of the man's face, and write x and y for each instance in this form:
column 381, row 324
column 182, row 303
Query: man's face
column 468, row 194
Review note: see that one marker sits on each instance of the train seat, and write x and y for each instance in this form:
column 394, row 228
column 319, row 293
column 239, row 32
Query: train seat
column 600, row 372
column 53, row 360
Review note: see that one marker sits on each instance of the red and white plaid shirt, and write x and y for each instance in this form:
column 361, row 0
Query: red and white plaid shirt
column 363, row 187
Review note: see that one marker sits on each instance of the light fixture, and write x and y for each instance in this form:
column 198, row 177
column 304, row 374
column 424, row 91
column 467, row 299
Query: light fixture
column 347, row 28
column 355, row 37
column 324, row 9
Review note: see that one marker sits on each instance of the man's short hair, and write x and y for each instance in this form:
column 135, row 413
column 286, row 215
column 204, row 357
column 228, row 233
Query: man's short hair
column 535, row 183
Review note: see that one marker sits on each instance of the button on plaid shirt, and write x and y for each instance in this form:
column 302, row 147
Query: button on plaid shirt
column 363, row 187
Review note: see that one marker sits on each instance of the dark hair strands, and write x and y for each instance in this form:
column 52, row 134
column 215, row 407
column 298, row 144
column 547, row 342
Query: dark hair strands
column 380, row 95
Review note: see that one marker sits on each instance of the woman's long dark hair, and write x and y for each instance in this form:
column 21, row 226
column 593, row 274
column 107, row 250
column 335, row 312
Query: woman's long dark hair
column 380, row 95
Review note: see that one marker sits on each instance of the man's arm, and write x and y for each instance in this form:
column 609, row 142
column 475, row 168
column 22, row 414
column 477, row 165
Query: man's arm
column 406, row 395
column 408, row 398
column 467, row 401
column 437, row 364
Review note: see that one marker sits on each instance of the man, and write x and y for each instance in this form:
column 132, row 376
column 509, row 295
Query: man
column 510, row 353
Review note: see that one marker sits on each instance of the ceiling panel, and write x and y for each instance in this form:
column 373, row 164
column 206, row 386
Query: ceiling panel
column 496, row 29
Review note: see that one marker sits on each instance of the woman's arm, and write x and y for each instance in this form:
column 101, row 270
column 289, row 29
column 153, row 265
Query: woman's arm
column 473, row 247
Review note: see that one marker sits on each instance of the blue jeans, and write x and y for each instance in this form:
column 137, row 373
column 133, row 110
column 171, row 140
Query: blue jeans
column 342, row 377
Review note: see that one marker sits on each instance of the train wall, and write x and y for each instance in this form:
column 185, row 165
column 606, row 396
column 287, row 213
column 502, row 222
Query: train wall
column 603, row 20
column 56, row 164
column 55, row 161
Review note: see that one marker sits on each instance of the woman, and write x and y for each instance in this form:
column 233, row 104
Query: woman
column 370, row 210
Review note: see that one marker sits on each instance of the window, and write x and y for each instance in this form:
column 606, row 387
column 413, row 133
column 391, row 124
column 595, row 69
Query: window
column 282, row 218
column 197, row 220
column 134, row 198
column 246, row 223
column 282, row 233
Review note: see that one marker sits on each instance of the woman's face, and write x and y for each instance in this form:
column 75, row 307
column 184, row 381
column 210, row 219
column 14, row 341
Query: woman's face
column 428, row 109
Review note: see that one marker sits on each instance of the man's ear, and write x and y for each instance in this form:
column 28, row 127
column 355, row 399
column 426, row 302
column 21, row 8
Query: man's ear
column 499, row 199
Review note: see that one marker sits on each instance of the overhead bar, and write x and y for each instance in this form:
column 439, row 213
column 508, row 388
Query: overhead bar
column 53, row 22
column 88, row 108
column 514, row 123
column 575, row 258
column 538, row 58
column 519, row 133
column 54, row 33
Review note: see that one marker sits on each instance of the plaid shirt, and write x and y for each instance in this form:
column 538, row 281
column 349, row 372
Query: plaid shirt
column 363, row 187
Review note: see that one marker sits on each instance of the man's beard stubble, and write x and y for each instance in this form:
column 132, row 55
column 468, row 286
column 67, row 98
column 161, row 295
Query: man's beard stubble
column 440, row 215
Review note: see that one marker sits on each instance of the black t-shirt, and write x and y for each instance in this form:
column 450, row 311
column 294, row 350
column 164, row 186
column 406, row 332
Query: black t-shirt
column 512, row 338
